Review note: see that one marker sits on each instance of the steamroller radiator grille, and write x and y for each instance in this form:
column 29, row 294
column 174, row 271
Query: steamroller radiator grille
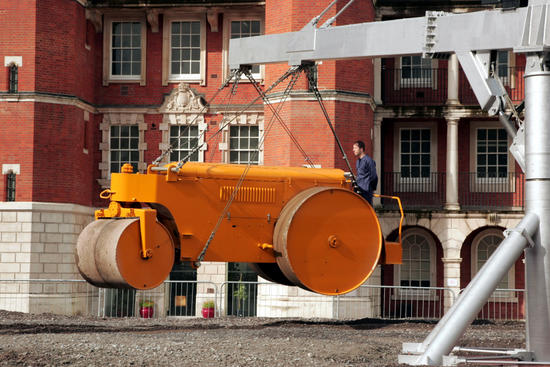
column 249, row 194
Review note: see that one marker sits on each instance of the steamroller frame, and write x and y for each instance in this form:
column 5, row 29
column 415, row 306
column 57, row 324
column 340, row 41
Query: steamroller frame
column 296, row 226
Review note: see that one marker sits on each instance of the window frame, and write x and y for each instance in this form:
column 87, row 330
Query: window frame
column 413, row 184
column 11, row 186
column 244, row 119
column 183, row 119
column 108, row 78
column 167, row 76
column 410, row 83
column 111, row 119
column 13, row 78
column 490, row 184
column 250, row 151
column 502, row 296
column 239, row 16
column 408, row 293
column 119, row 149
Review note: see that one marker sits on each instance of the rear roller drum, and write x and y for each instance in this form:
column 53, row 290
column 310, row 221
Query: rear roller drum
column 329, row 240
column 109, row 255
column 271, row 272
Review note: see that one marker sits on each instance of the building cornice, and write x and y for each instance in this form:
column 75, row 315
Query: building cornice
column 326, row 95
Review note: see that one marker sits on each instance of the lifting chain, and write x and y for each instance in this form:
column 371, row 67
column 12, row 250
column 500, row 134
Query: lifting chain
column 311, row 72
column 294, row 72
column 278, row 117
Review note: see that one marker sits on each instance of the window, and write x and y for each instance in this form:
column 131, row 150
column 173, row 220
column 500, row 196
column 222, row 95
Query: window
column 501, row 65
column 483, row 246
column 415, row 153
column 492, row 153
column 13, row 78
column 124, row 144
column 243, row 144
column 126, row 49
column 10, row 186
column 246, row 28
column 415, row 68
column 416, row 269
column 183, row 139
column 241, row 25
column 185, row 49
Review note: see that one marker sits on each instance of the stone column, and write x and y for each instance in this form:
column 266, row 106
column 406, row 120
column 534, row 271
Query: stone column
column 451, row 198
column 377, row 62
column 452, row 81
column 377, row 154
column 451, row 278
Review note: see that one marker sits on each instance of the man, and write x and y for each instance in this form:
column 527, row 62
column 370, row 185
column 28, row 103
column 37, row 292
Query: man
column 367, row 179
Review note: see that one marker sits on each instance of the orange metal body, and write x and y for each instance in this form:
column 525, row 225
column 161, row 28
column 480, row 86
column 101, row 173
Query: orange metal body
column 196, row 195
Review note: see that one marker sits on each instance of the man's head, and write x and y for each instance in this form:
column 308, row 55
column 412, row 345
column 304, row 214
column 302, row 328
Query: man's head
column 359, row 149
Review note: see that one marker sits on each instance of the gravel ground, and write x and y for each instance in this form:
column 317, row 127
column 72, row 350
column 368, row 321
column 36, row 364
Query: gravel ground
column 53, row 340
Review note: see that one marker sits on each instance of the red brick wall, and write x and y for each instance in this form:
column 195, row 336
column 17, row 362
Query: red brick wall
column 18, row 18
column 16, row 140
column 62, row 172
column 352, row 121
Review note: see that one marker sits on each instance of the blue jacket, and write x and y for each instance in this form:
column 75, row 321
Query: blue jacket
column 367, row 179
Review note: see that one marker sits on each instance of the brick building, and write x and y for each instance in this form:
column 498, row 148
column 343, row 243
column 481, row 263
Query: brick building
column 90, row 85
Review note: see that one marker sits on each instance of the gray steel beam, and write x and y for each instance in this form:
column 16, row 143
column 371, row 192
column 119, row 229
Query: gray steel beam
column 480, row 31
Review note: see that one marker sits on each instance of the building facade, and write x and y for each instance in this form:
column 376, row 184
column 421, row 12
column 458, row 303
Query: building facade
column 91, row 85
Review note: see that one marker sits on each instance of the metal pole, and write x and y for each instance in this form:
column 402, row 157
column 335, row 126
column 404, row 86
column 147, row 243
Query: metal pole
column 447, row 332
column 537, row 200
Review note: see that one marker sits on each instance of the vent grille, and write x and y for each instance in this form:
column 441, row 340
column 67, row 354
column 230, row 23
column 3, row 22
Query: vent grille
column 249, row 194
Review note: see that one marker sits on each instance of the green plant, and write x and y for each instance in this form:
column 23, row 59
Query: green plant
column 146, row 303
column 208, row 304
column 241, row 294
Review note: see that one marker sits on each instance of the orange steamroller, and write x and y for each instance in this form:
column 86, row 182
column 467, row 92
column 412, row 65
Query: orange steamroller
column 297, row 226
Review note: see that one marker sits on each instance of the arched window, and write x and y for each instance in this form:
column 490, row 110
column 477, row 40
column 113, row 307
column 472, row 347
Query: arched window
column 13, row 79
column 483, row 246
column 418, row 267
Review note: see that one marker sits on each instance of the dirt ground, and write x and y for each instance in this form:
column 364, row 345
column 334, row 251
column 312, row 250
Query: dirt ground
column 52, row 340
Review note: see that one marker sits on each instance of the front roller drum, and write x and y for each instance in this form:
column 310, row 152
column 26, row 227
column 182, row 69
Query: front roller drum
column 329, row 240
column 108, row 254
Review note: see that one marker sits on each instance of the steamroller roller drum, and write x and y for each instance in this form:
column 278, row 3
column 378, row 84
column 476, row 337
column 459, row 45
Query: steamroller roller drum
column 85, row 252
column 329, row 240
column 271, row 272
column 118, row 255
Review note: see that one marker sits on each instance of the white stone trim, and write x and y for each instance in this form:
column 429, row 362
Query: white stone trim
column 243, row 119
column 38, row 98
column 11, row 168
column 17, row 60
column 234, row 16
column 111, row 119
column 167, row 48
column 191, row 119
column 409, row 183
column 37, row 206
column 107, row 39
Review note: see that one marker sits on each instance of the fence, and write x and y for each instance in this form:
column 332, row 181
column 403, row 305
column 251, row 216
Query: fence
column 476, row 192
column 250, row 299
column 415, row 192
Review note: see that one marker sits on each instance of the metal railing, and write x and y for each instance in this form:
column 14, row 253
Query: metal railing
column 415, row 192
column 414, row 87
column 248, row 299
column 512, row 79
column 494, row 193
column 474, row 192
